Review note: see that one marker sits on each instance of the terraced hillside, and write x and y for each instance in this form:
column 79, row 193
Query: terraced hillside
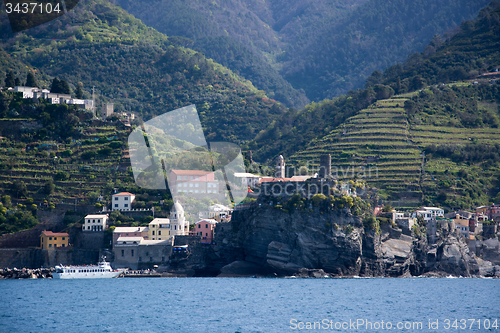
column 375, row 146
column 416, row 148
column 92, row 164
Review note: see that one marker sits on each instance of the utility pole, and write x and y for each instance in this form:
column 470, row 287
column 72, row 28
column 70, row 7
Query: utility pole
column 93, row 102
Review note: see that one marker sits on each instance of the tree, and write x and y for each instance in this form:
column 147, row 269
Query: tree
column 65, row 89
column 49, row 187
column 387, row 208
column 79, row 91
column 56, row 86
column 17, row 82
column 30, row 80
column 10, row 79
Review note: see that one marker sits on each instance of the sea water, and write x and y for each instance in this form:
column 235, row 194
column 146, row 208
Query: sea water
column 250, row 305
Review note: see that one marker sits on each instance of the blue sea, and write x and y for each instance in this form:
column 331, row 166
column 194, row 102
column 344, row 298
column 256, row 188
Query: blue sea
column 250, row 305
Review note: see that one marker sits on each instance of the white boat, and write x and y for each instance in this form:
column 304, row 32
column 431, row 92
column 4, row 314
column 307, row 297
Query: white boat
column 102, row 270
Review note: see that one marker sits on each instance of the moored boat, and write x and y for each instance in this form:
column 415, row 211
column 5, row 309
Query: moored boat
column 102, row 270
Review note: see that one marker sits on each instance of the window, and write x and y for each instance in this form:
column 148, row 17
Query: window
column 99, row 221
column 64, row 238
column 125, row 205
column 126, row 198
column 206, row 225
column 116, row 205
column 199, row 225
column 159, row 232
column 196, row 185
column 150, row 258
column 190, row 185
column 197, row 178
column 93, row 221
column 190, row 177
column 50, row 238
column 206, row 234
column 140, row 258
column 179, row 177
column 123, row 252
column 185, row 177
column 153, row 232
column 55, row 238
column 50, row 245
column 116, row 198
column 131, row 253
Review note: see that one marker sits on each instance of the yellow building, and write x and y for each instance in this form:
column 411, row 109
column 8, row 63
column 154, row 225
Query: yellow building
column 159, row 229
column 50, row 240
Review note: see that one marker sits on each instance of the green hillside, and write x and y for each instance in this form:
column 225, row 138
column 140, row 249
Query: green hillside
column 436, row 145
column 139, row 70
column 325, row 48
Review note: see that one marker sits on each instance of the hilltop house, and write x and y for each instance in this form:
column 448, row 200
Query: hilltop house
column 217, row 212
column 119, row 232
column 96, row 222
column 122, row 201
column 53, row 98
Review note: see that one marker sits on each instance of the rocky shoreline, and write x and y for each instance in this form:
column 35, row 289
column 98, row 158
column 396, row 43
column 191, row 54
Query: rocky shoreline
column 25, row 273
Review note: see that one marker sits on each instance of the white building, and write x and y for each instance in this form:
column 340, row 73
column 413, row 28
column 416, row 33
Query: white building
column 247, row 179
column 95, row 222
column 164, row 229
column 427, row 215
column 435, row 211
column 122, row 201
column 217, row 212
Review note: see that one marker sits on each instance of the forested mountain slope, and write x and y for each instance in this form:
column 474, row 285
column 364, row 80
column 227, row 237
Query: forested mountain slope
column 137, row 68
column 439, row 144
column 325, row 47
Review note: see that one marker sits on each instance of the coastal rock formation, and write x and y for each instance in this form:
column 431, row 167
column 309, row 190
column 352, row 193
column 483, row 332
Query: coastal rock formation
column 269, row 240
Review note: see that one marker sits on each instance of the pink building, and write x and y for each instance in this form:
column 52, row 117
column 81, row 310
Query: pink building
column 193, row 181
column 129, row 232
column 205, row 229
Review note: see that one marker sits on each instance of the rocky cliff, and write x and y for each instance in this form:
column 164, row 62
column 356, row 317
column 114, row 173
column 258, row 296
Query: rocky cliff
column 271, row 241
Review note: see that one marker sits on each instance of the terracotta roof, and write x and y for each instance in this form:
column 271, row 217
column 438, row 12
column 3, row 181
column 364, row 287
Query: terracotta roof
column 50, row 233
column 273, row 179
column 191, row 172
column 124, row 193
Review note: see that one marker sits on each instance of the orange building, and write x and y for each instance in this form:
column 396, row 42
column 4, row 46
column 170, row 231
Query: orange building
column 50, row 240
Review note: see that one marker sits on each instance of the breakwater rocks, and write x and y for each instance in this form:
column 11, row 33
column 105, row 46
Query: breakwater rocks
column 25, row 273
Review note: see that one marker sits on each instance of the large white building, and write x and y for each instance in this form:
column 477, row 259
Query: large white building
column 96, row 222
column 122, row 201
column 247, row 179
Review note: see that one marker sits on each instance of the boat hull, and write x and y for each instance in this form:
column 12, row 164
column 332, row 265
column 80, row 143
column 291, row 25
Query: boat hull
column 90, row 275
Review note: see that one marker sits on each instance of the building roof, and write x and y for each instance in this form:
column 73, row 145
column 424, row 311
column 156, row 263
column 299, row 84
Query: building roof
column 177, row 208
column 246, row 174
column 275, row 180
column 96, row 216
column 211, row 221
column 129, row 239
column 191, row 172
column 432, row 208
column 50, row 233
column 123, row 193
column 154, row 242
column 130, row 229
column 159, row 220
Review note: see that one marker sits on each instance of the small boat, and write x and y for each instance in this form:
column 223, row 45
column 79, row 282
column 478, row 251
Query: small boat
column 102, row 270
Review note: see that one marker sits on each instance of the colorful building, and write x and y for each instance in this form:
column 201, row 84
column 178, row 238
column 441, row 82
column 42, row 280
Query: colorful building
column 50, row 240
column 205, row 229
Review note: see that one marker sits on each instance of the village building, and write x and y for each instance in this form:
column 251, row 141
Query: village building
column 50, row 240
column 97, row 222
column 122, row 201
column 217, row 212
column 119, row 232
column 193, row 181
column 205, row 229
column 247, row 179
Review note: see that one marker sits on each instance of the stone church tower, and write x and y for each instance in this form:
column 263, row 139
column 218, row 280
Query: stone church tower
column 280, row 167
column 178, row 224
